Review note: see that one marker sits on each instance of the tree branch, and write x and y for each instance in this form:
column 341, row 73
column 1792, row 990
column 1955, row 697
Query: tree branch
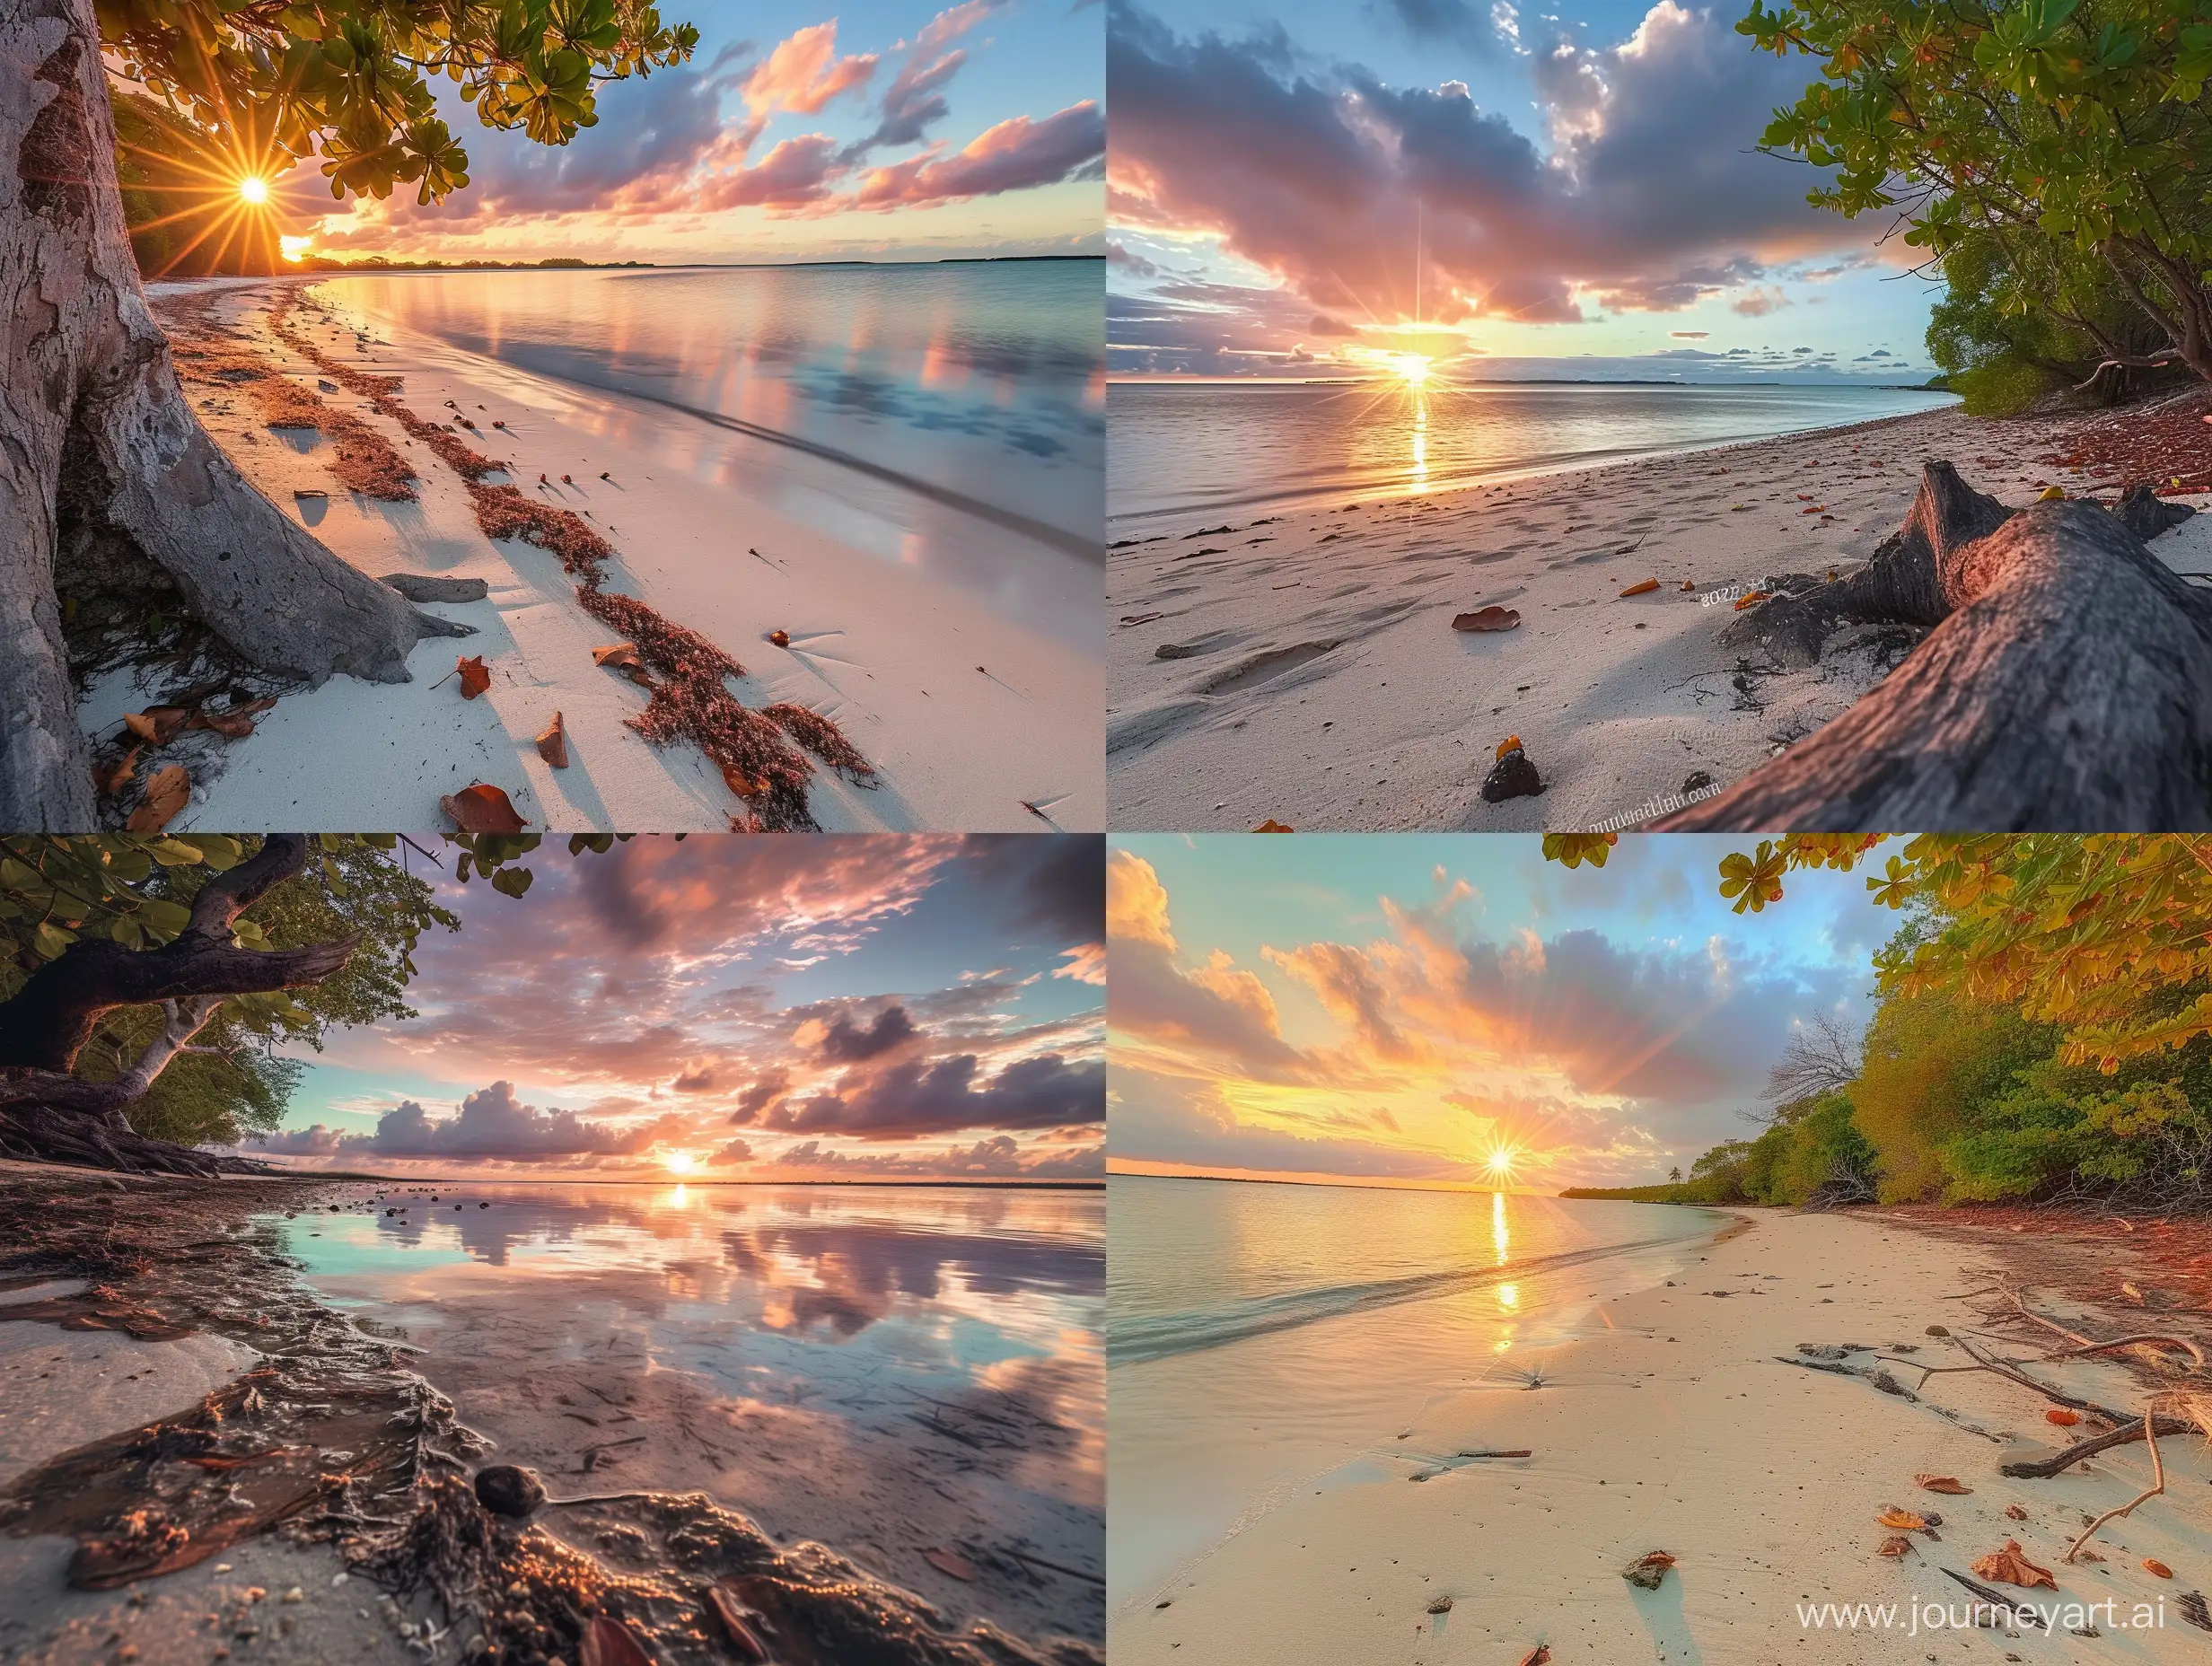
column 49, row 1020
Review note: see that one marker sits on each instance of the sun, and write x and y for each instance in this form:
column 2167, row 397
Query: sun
column 1413, row 369
column 1500, row 1162
column 253, row 188
column 680, row 1163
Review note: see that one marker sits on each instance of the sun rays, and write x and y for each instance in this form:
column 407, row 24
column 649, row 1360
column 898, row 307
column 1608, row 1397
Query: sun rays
column 222, row 188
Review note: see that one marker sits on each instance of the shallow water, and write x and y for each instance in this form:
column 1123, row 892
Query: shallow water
column 886, row 1370
column 949, row 417
column 1264, row 1337
column 1189, row 449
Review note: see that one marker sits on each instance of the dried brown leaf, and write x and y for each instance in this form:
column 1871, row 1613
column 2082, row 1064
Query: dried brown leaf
column 482, row 809
column 553, row 744
column 949, row 1562
column 2009, row 1566
column 167, row 793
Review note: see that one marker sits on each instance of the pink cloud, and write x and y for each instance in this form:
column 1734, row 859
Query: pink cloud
column 804, row 72
column 1016, row 154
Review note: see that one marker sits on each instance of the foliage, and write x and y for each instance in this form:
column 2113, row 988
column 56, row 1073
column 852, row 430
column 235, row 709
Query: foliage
column 1816, row 1156
column 350, row 79
column 2069, row 129
column 2002, row 349
column 2081, row 930
column 138, row 891
column 1933, row 1062
column 2044, row 1027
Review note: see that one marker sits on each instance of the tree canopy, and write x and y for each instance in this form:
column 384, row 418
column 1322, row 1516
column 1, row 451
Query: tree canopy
column 2044, row 1019
column 137, row 891
column 2069, row 133
column 351, row 79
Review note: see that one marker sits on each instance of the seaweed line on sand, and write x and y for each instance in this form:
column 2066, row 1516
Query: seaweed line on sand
column 689, row 698
column 332, row 1439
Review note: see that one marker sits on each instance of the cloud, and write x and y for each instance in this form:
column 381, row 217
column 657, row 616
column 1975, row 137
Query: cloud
column 1214, row 1013
column 804, row 72
column 1757, row 303
column 1588, row 1054
column 847, row 1043
column 1013, row 155
column 796, row 173
column 914, row 101
column 917, row 1097
column 1688, row 335
column 1118, row 256
column 1652, row 196
column 491, row 1125
column 999, row 1157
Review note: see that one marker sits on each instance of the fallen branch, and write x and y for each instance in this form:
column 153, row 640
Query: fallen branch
column 2158, row 1485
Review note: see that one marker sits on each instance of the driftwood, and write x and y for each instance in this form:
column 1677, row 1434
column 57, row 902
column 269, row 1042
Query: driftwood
column 2066, row 684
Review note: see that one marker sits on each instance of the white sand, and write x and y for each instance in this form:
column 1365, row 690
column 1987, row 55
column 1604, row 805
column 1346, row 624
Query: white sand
column 890, row 657
column 1677, row 1430
column 1329, row 691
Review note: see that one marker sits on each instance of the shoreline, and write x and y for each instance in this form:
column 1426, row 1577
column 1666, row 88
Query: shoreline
column 1676, row 1429
column 888, row 656
column 1301, row 667
column 155, row 1317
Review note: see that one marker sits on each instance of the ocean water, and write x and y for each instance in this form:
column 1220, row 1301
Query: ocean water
column 1263, row 1339
column 879, row 1369
column 947, row 417
column 1181, row 449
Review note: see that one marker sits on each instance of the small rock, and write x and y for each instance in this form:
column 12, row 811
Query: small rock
column 508, row 1489
column 1648, row 1570
column 1176, row 651
column 1442, row 1605
column 1512, row 777
column 1696, row 781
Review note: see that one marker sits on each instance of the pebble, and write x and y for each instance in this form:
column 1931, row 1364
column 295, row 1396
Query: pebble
column 508, row 1489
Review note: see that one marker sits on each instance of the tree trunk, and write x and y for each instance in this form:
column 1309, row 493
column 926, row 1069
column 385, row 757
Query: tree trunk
column 47, row 1113
column 2067, row 686
column 100, row 452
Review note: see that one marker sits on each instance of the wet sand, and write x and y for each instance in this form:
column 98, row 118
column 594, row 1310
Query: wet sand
column 200, row 1459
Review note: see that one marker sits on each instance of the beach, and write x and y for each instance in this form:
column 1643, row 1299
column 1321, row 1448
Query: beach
column 1296, row 661
column 1693, row 1417
column 868, row 1414
column 734, row 537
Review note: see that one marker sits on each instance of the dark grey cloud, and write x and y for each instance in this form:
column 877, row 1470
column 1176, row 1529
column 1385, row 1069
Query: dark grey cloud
column 919, row 1097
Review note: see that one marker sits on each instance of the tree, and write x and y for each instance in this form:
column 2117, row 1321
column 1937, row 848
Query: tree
column 2072, row 124
column 106, row 467
column 1821, row 1058
column 1675, row 1174
column 146, row 983
column 2002, row 347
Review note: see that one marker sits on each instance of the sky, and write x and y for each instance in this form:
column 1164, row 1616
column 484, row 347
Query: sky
column 1391, row 1009
column 1583, row 188
column 887, row 130
column 801, row 1007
